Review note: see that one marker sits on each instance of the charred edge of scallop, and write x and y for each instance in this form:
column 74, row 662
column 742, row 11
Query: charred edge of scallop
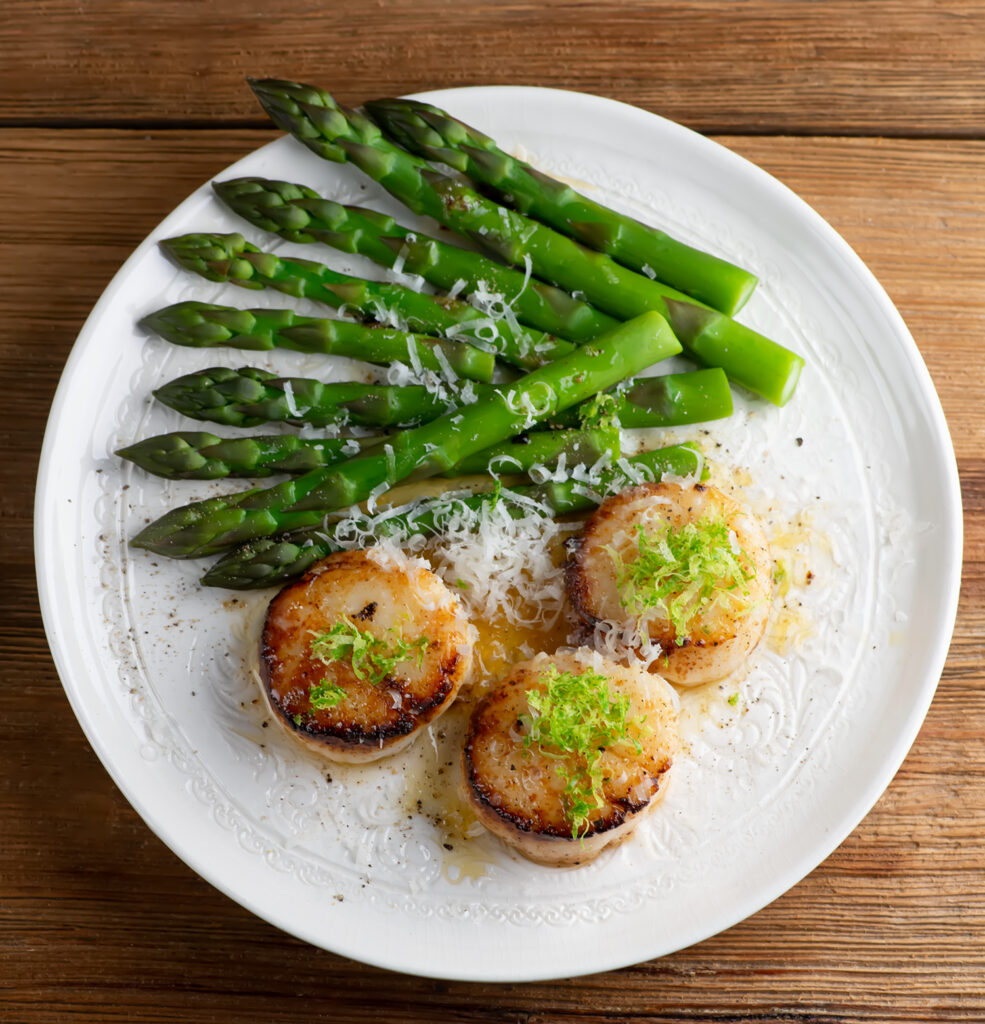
column 414, row 713
column 576, row 583
column 579, row 587
column 624, row 808
column 584, row 636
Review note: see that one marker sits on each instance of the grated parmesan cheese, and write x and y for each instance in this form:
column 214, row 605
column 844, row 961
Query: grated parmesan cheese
column 378, row 491
column 503, row 556
column 450, row 376
column 481, row 332
column 625, row 644
column 400, row 374
column 388, row 316
column 541, row 474
column 528, row 267
column 292, row 406
column 396, row 273
column 386, row 554
column 504, row 463
column 414, row 355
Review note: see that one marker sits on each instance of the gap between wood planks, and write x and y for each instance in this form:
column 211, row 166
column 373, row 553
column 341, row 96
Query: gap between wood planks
column 261, row 123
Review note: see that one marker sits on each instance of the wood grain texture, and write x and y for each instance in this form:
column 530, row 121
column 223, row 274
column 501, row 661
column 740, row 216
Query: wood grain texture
column 100, row 922
column 900, row 67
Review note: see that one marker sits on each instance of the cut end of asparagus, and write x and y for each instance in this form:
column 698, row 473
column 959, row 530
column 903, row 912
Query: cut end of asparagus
column 743, row 289
column 790, row 381
column 749, row 358
column 675, row 399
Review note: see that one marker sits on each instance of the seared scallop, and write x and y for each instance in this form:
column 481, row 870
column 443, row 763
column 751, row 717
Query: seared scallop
column 568, row 753
column 362, row 653
column 683, row 568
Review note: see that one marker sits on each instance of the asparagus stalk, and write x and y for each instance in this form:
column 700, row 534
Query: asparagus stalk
column 675, row 399
column 339, row 134
column 299, row 214
column 545, row 449
column 230, row 258
column 670, row 400
column 209, row 526
column 203, row 325
column 436, row 135
column 197, row 455
column 270, row 561
column 248, row 397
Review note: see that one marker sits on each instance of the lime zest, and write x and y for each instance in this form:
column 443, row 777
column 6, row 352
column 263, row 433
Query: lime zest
column 325, row 695
column 601, row 412
column 373, row 659
column 575, row 718
column 682, row 572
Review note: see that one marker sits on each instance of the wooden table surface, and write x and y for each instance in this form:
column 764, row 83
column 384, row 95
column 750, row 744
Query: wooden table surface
column 111, row 111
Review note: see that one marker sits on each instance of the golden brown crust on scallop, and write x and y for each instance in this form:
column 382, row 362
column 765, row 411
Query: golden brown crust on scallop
column 389, row 599
column 718, row 640
column 515, row 788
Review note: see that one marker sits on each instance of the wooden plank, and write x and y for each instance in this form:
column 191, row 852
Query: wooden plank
column 100, row 922
column 900, row 67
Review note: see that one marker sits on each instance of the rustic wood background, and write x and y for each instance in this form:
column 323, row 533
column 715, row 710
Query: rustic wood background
column 111, row 111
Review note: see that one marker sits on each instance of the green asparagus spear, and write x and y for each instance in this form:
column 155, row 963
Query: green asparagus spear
column 671, row 400
column 674, row 399
column 544, row 449
column 203, row 325
column 270, row 561
column 209, row 526
column 436, row 135
column 299, row 214
column 196, row 455
column 230, row 258
column 249, row 396
column 712, row 338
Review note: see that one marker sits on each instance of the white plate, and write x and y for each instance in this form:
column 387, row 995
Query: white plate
column 155, row 667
